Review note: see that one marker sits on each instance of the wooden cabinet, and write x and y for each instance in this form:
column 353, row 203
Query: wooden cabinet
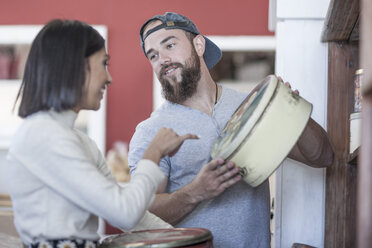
column 348, row 213
column 341, row 177
column 341, row 33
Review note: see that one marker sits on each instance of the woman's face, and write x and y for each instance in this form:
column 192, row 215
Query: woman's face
column 97, row 77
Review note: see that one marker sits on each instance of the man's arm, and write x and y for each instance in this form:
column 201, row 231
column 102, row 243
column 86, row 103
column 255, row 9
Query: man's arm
column 313, row 147
column 214, row 178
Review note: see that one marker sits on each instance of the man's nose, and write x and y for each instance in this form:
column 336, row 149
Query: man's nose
column 164, row 58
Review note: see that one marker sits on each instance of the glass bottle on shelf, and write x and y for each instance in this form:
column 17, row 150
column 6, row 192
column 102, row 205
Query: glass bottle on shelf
column 356, row 116
column 357, row 90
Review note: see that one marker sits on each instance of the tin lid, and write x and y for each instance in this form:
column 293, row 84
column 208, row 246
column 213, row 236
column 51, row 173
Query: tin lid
column 172, row 237
column 356, row 115
column 245, row 118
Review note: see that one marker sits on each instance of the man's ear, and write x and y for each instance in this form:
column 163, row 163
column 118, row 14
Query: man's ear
column 199, row 44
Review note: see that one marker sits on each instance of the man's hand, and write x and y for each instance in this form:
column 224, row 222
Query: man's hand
column 213, row 179
column 288, row 85
column 313, row 147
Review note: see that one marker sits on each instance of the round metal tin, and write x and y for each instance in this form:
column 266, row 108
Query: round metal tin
column 173, row 237
column 263, row 130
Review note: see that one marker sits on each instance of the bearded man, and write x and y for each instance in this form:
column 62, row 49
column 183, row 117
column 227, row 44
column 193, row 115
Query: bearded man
column 198, row 191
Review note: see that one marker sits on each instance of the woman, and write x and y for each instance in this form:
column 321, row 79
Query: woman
column 59, row 182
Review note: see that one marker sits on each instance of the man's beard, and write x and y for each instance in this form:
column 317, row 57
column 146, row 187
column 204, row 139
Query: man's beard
column 190, row 77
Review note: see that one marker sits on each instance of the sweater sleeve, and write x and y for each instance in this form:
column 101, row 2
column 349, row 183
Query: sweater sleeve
column 65, row 164
column 150, row 221
column 139, row 143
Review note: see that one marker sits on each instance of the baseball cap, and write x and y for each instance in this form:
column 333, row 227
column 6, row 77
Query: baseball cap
column 171, row 20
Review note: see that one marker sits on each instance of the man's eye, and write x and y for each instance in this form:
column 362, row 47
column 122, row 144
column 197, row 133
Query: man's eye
column 170, row 45
column 152, row 57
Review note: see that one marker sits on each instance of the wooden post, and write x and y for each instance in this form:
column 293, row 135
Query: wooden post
column 340, row 209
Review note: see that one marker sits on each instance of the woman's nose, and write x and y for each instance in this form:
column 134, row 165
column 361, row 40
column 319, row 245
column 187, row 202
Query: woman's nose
column 109, row 78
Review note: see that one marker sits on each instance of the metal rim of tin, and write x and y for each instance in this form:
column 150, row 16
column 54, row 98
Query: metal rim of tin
column 204, row 236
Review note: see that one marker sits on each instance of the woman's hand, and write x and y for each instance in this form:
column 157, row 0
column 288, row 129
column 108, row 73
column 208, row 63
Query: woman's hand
column 165, row 142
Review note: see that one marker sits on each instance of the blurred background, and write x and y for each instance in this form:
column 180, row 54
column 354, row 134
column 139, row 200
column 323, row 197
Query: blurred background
column 131, row 97
column 257, row 37
column 134, row 92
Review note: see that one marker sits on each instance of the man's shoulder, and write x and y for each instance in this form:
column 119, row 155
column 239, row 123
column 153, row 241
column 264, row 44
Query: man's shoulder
column 158, row 117
column 230, row 92
column 232, row 98
column 145, row 131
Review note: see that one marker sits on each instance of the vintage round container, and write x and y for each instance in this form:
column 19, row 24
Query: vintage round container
column 161, row 238
column 263, row 130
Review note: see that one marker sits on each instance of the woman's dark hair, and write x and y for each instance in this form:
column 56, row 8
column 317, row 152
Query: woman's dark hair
column 55, row 69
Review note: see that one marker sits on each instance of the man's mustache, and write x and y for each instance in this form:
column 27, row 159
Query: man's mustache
column 164, row 68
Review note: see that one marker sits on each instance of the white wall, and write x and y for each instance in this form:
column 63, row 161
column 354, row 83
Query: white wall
column 301, row 59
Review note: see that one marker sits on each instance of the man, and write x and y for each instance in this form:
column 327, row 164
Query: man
column 199, row 192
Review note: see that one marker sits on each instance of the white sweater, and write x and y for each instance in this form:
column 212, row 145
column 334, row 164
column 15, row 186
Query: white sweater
column 59, row 182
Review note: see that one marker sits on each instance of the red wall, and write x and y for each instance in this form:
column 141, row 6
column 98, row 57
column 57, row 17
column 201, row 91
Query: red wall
column 130, row 95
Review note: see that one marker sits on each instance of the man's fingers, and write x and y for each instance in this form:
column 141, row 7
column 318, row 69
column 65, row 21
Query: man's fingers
column 216, row 176
column 222, row 169
column 231, row 182
column 214, row 164
column 228, row 174
column 289, row 85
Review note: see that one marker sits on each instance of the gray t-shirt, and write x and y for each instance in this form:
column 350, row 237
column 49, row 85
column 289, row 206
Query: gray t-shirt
column 240, row 217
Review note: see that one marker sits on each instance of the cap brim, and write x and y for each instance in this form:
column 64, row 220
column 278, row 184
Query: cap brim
column 212, row 54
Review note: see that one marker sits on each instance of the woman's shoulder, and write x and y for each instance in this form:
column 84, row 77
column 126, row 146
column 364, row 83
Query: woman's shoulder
column 41, row 122
column 40, row 129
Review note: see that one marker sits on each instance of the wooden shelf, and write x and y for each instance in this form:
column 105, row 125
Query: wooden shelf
column 353, row 157
column 342, row 21
column 341, row 31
